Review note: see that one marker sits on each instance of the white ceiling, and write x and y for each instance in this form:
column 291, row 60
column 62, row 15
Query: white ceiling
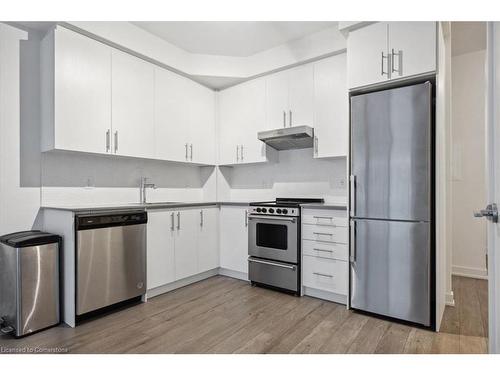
column 228, row 38
column 467, row 37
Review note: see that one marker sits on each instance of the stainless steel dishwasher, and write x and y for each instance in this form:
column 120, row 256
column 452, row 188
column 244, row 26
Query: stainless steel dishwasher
column 110, row 259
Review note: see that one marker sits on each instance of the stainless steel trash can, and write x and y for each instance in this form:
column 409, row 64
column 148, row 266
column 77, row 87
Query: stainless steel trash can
column 29, row 282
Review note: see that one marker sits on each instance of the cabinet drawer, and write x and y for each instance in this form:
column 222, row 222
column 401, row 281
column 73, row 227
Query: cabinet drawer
column 325, row 274
column 325, row 249
column 325, row 233
column 335, row 218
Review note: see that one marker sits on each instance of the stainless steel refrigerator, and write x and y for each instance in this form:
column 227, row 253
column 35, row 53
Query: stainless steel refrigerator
column 391, row 203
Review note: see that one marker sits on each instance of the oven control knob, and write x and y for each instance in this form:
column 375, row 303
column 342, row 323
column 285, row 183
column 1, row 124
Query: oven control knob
column 258, row 209
column 278, row 211
column 271, row 210
column 285, row 211
column 264, row 210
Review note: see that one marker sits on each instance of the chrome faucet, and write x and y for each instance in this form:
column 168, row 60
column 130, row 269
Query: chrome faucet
column 143, row 187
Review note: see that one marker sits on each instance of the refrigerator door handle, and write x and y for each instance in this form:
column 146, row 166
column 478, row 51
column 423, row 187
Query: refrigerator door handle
column 352, row 242
column 352, row 189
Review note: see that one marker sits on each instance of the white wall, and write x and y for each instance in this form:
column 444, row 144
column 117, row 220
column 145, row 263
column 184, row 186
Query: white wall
column 468, row 164
column 19, row 204
column 296, row 174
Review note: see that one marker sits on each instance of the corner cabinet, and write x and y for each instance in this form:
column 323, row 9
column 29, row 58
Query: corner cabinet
column 99, row 99
column 390, row 50
column 234, row 241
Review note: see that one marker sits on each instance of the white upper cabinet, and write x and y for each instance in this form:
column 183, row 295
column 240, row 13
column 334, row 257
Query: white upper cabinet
column 412, row 46
column 242, row 114
column 76, row 102
column 289, row 98
column 390, row 50
column 132, row 106
column 331, row 107
column 367, row 59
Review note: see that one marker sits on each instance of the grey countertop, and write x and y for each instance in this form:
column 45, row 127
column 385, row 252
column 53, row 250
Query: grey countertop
column 326, row 205
column 139, row 206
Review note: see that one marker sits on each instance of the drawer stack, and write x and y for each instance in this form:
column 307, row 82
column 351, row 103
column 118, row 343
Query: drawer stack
column 325, row 267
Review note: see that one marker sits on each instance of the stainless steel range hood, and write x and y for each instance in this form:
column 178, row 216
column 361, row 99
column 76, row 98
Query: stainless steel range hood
column 288, row 138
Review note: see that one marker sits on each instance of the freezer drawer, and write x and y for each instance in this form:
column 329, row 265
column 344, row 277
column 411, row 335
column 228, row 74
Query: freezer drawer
column 390, row 269
column 325, row 233
column 277, row 274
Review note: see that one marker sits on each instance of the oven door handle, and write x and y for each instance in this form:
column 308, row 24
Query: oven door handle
column 272, row 263
column 280, row 218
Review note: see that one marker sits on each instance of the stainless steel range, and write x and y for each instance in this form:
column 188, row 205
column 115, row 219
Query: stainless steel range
column 274, row 243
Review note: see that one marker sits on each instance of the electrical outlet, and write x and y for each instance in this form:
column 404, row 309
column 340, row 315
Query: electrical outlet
column 90, row 183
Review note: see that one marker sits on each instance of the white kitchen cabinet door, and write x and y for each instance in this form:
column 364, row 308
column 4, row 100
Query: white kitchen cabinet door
column 365, row 46
column 230, row 104
column 417, row 43
column 208, row 244
column 82, row 92
column 234, row 238
column 201, row 111
column 171, row 116
column 186, row 232
column 277, row 100
column 160, row 249
column 253, row 121
column 331, row 107
column 132, row 106
column 301, row 96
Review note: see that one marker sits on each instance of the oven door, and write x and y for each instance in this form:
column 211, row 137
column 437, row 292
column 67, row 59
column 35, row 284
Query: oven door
column 273, row 237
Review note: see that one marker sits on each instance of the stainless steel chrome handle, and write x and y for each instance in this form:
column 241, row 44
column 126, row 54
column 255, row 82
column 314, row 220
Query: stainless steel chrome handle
column 399, row 54
column 116, row 141
column 316, row 145
column 290, row 118
column 191, row 151
column 323, row 234
column 241, row 152
column 323, row 250
column 323, row 217
column 178, row 220
column 186, row 149
column 382, row 65
column 201, row 218
column 271, row 263
column 352, row 249
column 284, row 119
column 279, row 218
column 237, row 153
column 352, row 190
column 322, row 274
column 246, row 218
column 172, row 221
column 490, row 213
column 108, row 140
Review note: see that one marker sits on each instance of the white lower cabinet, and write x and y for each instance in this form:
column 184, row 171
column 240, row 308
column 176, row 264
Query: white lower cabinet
column 325, row 267
column 181, row 243
column 234, row 238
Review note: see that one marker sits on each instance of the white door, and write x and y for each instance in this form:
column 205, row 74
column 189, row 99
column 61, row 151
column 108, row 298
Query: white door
column 331, row 107
column 367, row 59
column 277, row 100
column 301, row 96
column 171, row 119
column 201, row 124
column 160, row 248
column 132, row 106
column 208, row 244
column 186, row 231
column 230, row 104
column 82, row 93
column 252, row 121
column 234, row 238
column 414, row 47
column 493, row 181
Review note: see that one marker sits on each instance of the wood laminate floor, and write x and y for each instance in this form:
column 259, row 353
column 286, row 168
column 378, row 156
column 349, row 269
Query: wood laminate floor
column 224, row 315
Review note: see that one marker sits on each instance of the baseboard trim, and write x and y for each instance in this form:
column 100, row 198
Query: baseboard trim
column 450, row 299
column 322, row 294
column 180, row 283
column 475, row 273
column 234, row 274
